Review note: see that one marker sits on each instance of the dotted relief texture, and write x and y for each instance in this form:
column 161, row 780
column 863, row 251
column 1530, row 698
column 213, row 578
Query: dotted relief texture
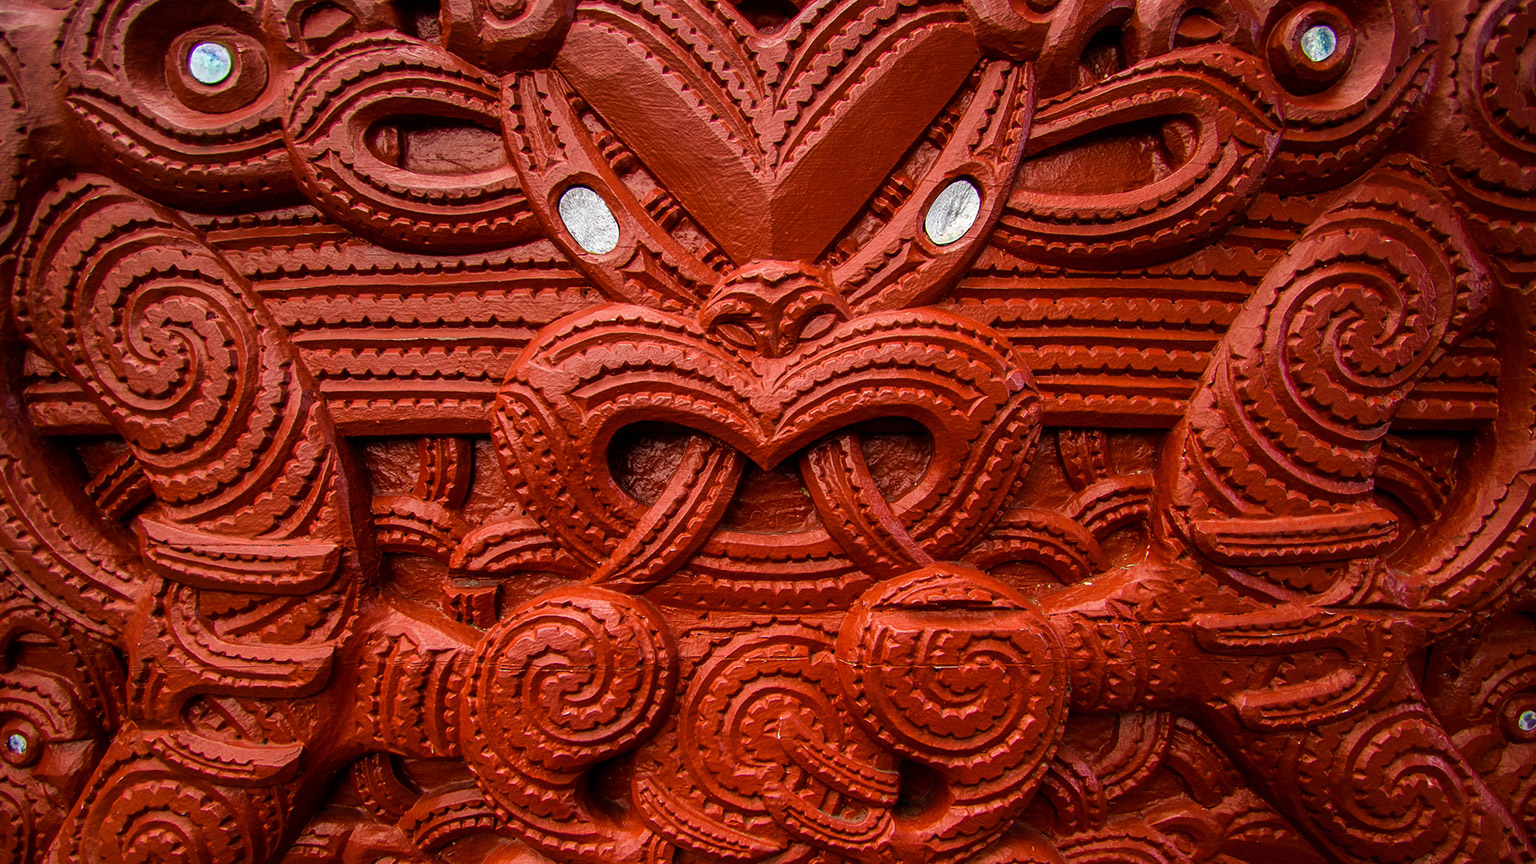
column 767, row 432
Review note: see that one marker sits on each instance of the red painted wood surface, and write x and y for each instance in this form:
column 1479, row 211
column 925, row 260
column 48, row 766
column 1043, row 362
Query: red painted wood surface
column 368, row 495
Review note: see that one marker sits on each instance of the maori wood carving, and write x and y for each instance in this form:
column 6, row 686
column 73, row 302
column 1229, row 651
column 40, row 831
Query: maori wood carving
column 767, row 432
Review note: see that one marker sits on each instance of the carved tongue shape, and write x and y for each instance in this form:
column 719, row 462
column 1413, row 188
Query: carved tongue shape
column 773, row 142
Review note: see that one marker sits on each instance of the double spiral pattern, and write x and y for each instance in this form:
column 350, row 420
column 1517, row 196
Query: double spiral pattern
column 741, row 704
column 576, row 678
column 764, row 758
column 1374, row 322
column 169, row 343
column 579, row 676
column 1345, row 342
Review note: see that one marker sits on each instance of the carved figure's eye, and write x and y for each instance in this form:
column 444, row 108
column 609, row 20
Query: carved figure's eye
column 22, row 746
column 589, row 220
column 1319, row 42
column 953, row 212
column 210, row 62
column 1311, row 48
column 216, row 69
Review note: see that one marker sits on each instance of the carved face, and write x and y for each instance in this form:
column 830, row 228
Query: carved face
column 679, row 431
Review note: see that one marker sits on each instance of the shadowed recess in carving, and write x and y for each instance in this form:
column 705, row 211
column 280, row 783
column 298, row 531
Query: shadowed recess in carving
column 431, row 145
column 1119, row 159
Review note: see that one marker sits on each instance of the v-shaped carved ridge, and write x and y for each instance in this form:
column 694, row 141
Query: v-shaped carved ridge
column 784, row 135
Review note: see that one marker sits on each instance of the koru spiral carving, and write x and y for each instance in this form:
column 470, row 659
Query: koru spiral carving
column 767, row 431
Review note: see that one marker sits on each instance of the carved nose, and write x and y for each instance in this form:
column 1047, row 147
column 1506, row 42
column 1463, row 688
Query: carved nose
column 772, row 307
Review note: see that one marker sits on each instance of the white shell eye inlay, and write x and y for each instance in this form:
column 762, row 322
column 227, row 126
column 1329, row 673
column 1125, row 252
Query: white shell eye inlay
column 587, row 217
column 210, row 63
column 953, row 212
column 18, row 744
column 1319, row 42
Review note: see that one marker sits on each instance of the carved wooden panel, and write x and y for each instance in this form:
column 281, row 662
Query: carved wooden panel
column 701, row 432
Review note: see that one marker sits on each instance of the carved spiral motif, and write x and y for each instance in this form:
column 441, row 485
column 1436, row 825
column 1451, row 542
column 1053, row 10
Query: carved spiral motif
column 1354, row 332
column 165, row 821
column 745, row 703
column 161, row 329
column 1509, row 92
column 1489, row 123
column 764, row 759
column 1417, row 805
column 1342, row 330
column 1495, row 93
column 975, row 699
column 141, row 811
column 575, row 678
column 1128, row 841
column 978, row 698
column 181, row 352
column 167, row 339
